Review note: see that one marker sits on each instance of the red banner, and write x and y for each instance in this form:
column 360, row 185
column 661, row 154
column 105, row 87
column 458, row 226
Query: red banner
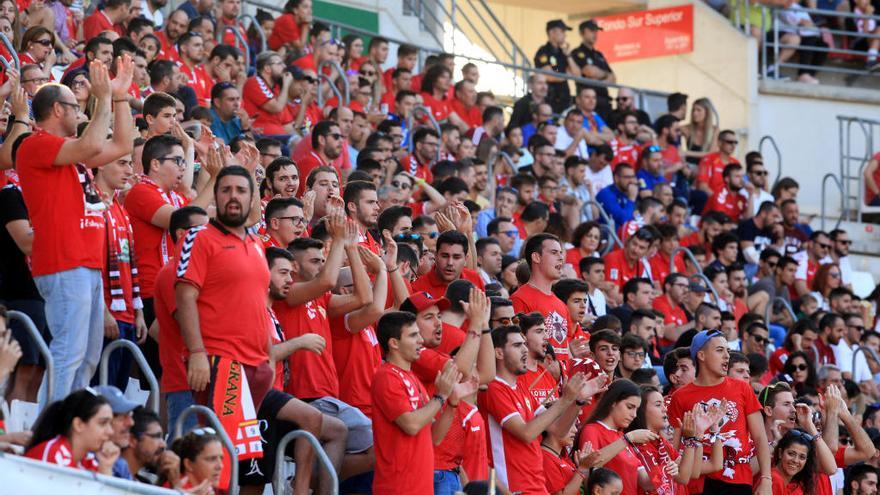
column 646, row 34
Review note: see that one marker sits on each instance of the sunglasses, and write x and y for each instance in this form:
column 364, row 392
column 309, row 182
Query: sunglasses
column 511, row 233
column 825, row 246
column 335, row 135
column 760, row 173
column 368, row 73
column 401, row 185
column 846, row 242
column 761, row 340
column 730, row 141
column 506, row 321
column 799, row 367
column 207, row 430
column 405, row 237
column 46, row 43
column 622, row 98
column 800, row 434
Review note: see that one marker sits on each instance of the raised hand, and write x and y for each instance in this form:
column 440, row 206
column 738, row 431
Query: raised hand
column 206, row 142
column 124, row 75
column 248, row 156
column 477, row 309
column 335, row 205
column 390, row 255
column 804, row 415
column 371, row 260
column 447, row 379
column 212, row 162
column 586, row 458
column 311, row 342
column 336, row 227
column 99, row 78
column 178, row 132
column 107, row 456
column 463, row 389
column 444, row 224
column 671, row 469
column 308, row 208
column 573, row 387
column 688, row 425
column 169, row 467
column 10, row 353
column 351, row 234
column 641, row 436
column 595, row 386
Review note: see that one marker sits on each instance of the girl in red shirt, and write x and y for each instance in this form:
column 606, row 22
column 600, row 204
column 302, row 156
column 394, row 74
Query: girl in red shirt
column 69, row 431
column 201, row 460
column 605, row 431
column 794, row 464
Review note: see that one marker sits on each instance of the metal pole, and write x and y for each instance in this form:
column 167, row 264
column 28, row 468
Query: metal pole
column 688, row 254
column 224, row 439
column 277, row 480
column 37, row 339
column 11, row 48
column 345, row 86
column 769, row 138
column 141, row 362
column 427, row 112
column 602, row 213
column 703, row 278
column 333, row 88
column 258, row 28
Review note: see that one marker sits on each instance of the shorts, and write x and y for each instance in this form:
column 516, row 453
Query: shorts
column 716, row 486
column 35, row 309
column 360, row 428
column 256, row 472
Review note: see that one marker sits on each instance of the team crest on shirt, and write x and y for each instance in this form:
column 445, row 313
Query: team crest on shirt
column 542, row 59
column 557, row 327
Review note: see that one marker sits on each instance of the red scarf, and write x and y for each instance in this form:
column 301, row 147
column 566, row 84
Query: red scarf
column 117, row 299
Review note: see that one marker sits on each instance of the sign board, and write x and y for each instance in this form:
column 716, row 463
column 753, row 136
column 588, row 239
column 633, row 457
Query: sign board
column 646, row 34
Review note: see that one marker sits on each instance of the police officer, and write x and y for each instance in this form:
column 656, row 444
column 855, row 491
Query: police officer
column 555, row 56
column 591, row 64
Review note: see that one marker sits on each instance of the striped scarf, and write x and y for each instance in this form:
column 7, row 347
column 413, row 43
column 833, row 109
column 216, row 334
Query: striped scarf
column 117, row 299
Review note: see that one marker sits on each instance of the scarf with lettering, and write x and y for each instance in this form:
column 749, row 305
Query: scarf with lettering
column 117, row 299
column 172, row 199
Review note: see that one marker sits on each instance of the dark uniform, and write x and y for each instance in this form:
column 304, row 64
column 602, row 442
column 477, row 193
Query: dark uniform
column 584, row 56
column 558, row 93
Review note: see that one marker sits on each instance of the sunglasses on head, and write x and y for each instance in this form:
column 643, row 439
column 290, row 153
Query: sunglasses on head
column 803, row 435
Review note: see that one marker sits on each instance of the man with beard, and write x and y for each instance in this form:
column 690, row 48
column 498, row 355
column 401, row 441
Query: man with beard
column 327, row 142
column 626, row 149
column 840, row 254
column 178, row 23
column 780, row 415
column 736, row 280
column 628, row 262
column 362, row 206
column 229, row 120
column 710, row 178
column 757, row 175
column 668, row 132
column 152, row 10
column 862, row 480
column 418, row 164
column 503, row 229
column 284, row 221
column 489, row 259
column 817, row 254
column 541, row 378
column 147, row 455
column 265, row 95
column 619, row 198
column 522, row 109
column 451, row 257
column 795, row 237
column 756, row 233
column 831, row 329
column 192, row 56
column 728, row 200
column 324, row 182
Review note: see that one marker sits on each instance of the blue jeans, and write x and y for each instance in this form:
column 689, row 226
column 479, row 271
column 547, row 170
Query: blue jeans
column 175, row 403
column 446, row 483
column 75, row 315
column 119, row 364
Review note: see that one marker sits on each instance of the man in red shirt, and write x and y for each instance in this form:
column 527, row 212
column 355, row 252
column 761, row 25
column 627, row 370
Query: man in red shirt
column 192, row 56
column 710, row 178
column 743, row 423
column 402, row 410
column 176, row 24
column 265, row 96
column 818, row 252
column 419, row 163
column 465, row 103
column 327, row 142
column 660, row 262
column 284, row 222
column 626, row 148
column 831, row 328
column 449, row 265
column 728, row 200
column 545, row 257
column 362, row 206
column 675, row 321
column 66, row 213
column 629, row 262
column 407, row 57
column 401, row 80
column 108, row 18
column 539, row 378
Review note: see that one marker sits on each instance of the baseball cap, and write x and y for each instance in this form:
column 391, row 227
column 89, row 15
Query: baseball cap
column 118, row 403
column 590, row 24
column 697, row 287
column 558, row 23
column 420, row 301
column 700, row 340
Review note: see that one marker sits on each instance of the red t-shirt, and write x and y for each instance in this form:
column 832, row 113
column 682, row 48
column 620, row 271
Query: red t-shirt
column 199, row 80
column 421, row 170
column 672, row 315
column 95, row 24
column 427, row 366
column 780, row 487
column 286, row 30
column 255, row 94
column 313, row 115
column 527, row 299
column 154, row 243
column 64, row 208
column 540, row 383
column 654, row 457
column 573, row 257
column 618, row 270
column 626, row 464
column 434, row 285
column 466, row 423
column 168, row 49
column 728, row 202
column 357, row 357
column 558, row 471
column 453, row 337
column 734, row 430
column 404, row 463
column 625, row 153
column 711, row 170
column 778, row 359
column 470, row 115
column 172, row 349
column 515, row 461
column 121, row 232
column 313, row 375
column 59, row 451
column 225, row 268
column 475, row 461
column 440, row 109
column 660, row 266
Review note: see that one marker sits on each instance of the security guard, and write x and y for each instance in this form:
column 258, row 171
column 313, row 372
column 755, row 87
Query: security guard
column 554, row 56
column 591, row 64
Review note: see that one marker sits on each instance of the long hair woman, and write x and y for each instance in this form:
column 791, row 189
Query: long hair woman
column 800, row 368
column 701, row 131
column 794, row 461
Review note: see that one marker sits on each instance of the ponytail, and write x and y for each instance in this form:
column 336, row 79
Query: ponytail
column 57, row 418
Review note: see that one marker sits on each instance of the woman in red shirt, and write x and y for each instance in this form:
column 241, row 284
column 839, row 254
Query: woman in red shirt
column 70, row 431
column 794, row 464
column 561, row 475
column 585, row 242
column 201, row 459
column 605, row 432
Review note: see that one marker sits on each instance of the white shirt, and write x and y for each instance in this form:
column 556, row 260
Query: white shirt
column 843, row 355
column 597, row 298
column 845, row 270
column 599, row 180
column 563, row 141
column 761, row 197
column 157, row 17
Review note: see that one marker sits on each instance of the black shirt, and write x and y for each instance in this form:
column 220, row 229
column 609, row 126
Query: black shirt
column 16, row 282
column 584, row 56
column 558, row 94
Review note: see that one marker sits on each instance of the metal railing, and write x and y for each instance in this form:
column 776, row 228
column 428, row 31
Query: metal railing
column 41, row 345
column 256, row 25
column 224, row 439
column 768, row 311
column 278, row 475
column 769, row 139
column 146, row 372
column 854, row 159
column 239, row 39
column 863, row 349
column 612, row 239
column 421, row 109
column 702, row 278
column 11, row 49
column 344, row 96
column 833, row 177
column 688, row 254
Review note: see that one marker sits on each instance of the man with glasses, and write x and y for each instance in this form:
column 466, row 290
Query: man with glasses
column 757, row 176
column 327, row 143
column 840, row 254
column 284, row 222
column 626, row 104
column 843, row 354
column 818, row 253
column 419, row 163
column 755, row 339
column 618, row 199
column 675, row 321
column 32, row 77
column 591, row 63
column 147, row 455
column 266, row 94
column 503, row 229
column 625, row 145
column 710, row 177
column 633, row 354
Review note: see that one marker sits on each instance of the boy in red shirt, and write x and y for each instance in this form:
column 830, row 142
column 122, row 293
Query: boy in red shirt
column 627, row 263
column 728, row 199
column 743, row 422
column 538, row 380
column 402, row 410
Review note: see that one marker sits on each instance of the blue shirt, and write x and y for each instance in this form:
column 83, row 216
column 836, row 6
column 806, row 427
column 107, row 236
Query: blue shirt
column 120, row 469
column 227, row 131
column 483, row 219
column 616, row 204
column 647, row 180
column 528, row 131
column 600, row 124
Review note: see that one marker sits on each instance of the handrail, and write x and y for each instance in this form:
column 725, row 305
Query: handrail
column 277, row 487
column 346, row 89
column 418, row 11
column 515, row 48
column 238, row 36
column 816, row 360
column 427, row 112
column 224, row 439
column 11, row 49
column 605, row 216
column 333, row 88
column 256, row 24
column 863, row 349
column 785, row 305
column 611, row 241
column 827, row 176
column 768, row 138
column 703, row 278
column 42, row 347
column 141, row 361
column 688, row 254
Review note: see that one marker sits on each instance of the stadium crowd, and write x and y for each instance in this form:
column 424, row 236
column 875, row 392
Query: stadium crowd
column 576, row 295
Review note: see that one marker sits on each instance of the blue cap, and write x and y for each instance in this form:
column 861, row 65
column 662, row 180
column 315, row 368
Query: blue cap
column 700, row 340
column 118, row 403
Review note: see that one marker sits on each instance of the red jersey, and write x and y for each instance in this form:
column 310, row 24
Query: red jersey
column 440, row 108
column 119, row 233
column 673, row 314
column 540, row 383
column 734, row 430
column 711, row 170
column 626, row 464
column 618, row 269
column 426, row 367
column 654, row 457
column 660, row 266
column 826, row 353
column 97, row 23
column 780, row 487
column 357, row 357
column 573, row 257
column 173, row 352
column 199, row 80
column 475, row 461
column 625, row 153
column 404, row 463
column 466, row 423
column 314, row 374
column 514, row 460
column 527, row 299
column 255, row 94
column 777, row 360
column 154, row 243
column 65, row 209
column 728, row 202
column 59, row 451
column 168, row 50
column 470, row 115
column 453, row 337
column 224, row 268
column 420, row 170
column 313, row 114
column 434, row 285
column 286, row 30
column 558, row 471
